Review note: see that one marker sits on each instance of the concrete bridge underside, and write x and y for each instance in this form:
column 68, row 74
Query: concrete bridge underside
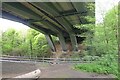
column 51, row 18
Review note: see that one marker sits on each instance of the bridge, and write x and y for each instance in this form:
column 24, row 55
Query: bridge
column 52, row 18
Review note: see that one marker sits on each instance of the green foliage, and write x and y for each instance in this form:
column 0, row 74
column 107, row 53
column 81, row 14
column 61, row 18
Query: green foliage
column 10, row 40
column 106, row 64
column 103, row 44
column 102, row 38
column 111, row 18
column 90, row 19
column 91, row 8
column 90, row 58
column 18, row 44
column 55, row 39
column 40, row 45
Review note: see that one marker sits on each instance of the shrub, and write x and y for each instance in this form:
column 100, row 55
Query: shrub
column 105, row 65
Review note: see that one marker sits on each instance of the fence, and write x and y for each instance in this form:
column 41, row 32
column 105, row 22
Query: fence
column 44, row 60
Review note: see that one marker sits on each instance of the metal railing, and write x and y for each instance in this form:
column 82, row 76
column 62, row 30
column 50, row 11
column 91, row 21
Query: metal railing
column 44, row 60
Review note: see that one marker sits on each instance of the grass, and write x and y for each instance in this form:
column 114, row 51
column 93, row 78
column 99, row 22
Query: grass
column 105, row 65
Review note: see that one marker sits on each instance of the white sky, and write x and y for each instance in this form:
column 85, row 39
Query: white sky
column 101, row 6
column 6, row 24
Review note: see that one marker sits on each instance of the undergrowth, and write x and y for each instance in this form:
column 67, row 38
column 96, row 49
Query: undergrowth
column 107, row 64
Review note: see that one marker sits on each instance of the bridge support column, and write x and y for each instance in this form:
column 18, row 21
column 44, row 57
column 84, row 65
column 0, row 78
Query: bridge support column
column 62, row 42
column 50, row 42
column 74, row 42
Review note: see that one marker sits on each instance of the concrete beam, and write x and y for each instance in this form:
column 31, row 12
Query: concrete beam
column 19, row 9
column 50, row 42
column 9, row 16
column 62, row 42
column 74, row 42
column 39, row 11
column 61, row 21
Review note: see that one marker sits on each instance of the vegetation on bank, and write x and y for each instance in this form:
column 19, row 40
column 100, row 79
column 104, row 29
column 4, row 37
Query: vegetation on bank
column 107, row 64
column 105, row 45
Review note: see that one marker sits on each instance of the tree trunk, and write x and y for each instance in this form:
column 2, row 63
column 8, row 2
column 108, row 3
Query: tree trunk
column 119, row 38
column 31, row 48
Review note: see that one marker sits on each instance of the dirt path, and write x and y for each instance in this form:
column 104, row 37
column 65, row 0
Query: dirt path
column 66, row 71
column 13, row 69
column 48, row 71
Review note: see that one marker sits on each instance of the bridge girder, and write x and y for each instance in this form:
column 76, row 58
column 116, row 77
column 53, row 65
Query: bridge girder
column 52, row 21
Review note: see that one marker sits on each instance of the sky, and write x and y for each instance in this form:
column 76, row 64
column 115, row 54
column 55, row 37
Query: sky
column 102, row 6
column 6, row 24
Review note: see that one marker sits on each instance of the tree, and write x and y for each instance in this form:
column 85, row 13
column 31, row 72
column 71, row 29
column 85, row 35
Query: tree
column 37, row 44
column 105, row 42
column 111, row 24
column 10, row 41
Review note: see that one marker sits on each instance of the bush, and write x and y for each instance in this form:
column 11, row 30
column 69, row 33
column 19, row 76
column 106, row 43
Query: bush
column 105, row 65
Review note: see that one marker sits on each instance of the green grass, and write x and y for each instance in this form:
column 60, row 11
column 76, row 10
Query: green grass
column 108, row 64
